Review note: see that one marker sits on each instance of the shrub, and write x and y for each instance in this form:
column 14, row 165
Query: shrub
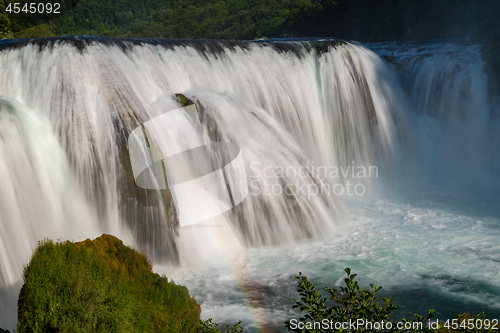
column 100, row 286
column 208, row 326
column 352, row 303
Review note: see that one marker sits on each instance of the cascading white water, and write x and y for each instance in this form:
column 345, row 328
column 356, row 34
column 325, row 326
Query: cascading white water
column 40, row 197
column 450, row 94
column 343, row 107
column 454, row 122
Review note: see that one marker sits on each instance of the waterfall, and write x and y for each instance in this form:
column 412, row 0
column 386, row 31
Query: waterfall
column 71, row 103
column 449, row 91
column 40, row 197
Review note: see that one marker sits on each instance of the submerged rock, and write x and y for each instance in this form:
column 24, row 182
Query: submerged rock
column 100, row 286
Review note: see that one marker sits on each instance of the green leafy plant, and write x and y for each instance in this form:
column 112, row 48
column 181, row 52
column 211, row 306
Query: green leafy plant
column 351, row 303
column 208, row 326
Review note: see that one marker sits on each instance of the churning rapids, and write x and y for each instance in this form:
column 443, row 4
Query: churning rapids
column 424, row 224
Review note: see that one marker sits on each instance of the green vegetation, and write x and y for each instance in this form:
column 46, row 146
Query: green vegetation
column 362, row 20
column 208, row 326
column 100, row 286
column 351, row 303
column 5, row 24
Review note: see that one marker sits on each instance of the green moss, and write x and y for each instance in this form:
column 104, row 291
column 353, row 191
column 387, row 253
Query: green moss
column 186, row 101
column 183, row 100
column 100, row 286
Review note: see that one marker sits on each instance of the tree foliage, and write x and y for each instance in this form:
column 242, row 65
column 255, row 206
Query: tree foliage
column 363, row 20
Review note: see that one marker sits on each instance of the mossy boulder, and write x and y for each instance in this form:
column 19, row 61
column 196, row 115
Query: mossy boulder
column 100, row 286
